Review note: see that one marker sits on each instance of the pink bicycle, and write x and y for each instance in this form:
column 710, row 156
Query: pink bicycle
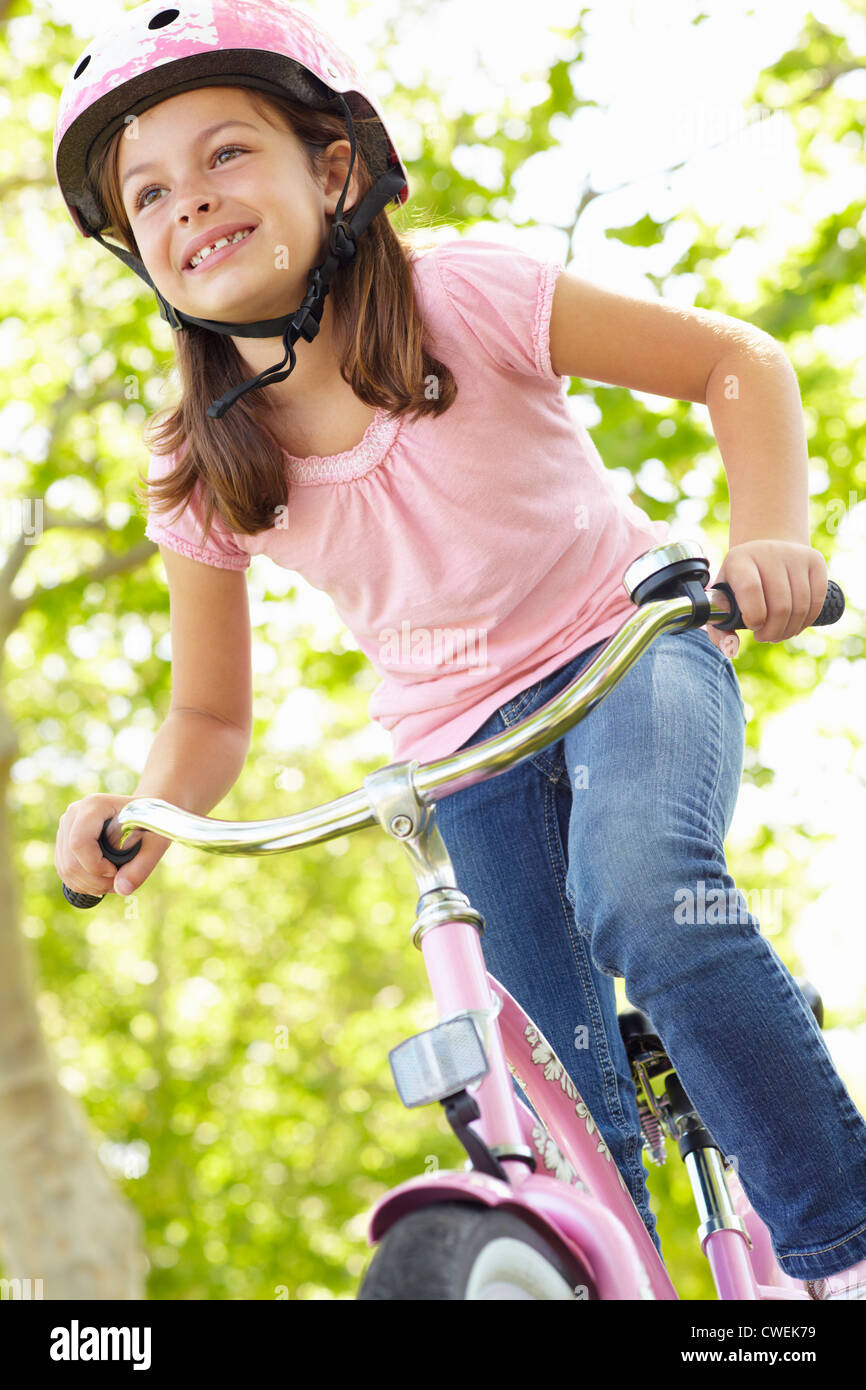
column 541, row 1210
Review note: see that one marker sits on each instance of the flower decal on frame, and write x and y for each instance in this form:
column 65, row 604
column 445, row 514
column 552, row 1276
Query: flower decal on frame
column 544, row 1056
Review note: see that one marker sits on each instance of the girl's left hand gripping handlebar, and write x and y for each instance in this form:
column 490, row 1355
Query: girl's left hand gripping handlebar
column 834, row 607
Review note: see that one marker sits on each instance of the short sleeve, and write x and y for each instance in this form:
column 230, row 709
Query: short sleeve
column 505, row 299
column 183, row 531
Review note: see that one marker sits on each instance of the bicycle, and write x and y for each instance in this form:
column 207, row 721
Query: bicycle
column 540, row 1210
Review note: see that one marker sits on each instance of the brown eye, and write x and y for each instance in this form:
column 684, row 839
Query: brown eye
column 154, row 187
column 231, row 149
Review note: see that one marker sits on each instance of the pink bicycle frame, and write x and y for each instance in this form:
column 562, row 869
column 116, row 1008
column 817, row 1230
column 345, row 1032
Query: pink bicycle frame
column 581, row 1195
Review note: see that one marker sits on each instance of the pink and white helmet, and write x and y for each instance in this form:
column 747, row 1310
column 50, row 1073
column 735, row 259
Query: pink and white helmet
column 158, row 50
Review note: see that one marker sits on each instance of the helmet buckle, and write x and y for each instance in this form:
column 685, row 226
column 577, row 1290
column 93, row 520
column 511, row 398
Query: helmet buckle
column 342, row 241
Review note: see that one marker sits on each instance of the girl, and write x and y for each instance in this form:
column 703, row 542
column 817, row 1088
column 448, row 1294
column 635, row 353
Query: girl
column 417, row 460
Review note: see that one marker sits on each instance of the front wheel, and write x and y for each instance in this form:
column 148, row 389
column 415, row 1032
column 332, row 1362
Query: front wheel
column 466, row 1252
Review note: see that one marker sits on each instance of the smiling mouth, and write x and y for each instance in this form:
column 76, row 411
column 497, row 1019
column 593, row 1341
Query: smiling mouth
column 223, row 248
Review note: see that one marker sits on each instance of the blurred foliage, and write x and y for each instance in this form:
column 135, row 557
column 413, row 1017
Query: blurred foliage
column 227, row 1029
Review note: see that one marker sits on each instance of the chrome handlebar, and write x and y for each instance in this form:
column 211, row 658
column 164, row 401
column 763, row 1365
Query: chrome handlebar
column 668, row 583
column 436, row 780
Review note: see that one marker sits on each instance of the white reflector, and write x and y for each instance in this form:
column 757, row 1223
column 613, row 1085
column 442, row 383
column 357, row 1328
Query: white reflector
column 438, row 1063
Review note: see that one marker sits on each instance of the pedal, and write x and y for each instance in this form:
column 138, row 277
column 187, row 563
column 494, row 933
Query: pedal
column 647, row 1058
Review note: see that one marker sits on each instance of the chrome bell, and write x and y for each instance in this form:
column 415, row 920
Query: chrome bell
column 659, row 573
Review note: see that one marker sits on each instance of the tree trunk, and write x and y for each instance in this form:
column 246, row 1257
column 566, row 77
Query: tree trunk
column 62, row 1221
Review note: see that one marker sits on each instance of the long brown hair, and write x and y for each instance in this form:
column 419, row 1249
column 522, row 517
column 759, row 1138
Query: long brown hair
column 375, row 316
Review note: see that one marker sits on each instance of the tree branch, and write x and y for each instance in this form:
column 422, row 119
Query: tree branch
column 12, row 609
column 832, row 74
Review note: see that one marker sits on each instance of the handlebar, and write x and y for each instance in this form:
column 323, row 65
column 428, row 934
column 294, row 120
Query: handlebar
column 665, row 582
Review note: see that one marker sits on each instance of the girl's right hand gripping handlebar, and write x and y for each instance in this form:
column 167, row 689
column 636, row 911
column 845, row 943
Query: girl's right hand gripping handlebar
column 115, row 856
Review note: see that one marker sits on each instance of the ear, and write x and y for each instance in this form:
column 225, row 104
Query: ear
column 339, row 154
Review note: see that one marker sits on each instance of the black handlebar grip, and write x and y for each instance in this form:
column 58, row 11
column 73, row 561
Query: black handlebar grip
column 834, row 607
column 116, row 856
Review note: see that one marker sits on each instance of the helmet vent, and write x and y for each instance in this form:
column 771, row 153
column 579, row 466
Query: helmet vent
column 164, row 17
column 81, row 66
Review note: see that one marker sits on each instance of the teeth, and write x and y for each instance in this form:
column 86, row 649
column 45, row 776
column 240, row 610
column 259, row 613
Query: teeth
column 206, row 251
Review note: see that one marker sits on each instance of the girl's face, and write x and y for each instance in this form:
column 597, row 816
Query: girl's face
column 182, row 179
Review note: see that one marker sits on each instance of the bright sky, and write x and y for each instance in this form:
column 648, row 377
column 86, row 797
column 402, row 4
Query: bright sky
column 669, row 91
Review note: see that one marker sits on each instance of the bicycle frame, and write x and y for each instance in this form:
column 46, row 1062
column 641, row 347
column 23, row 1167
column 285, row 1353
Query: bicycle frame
column 560, row 1172
column 582, row 1194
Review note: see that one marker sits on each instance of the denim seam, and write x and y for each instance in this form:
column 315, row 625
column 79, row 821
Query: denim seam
column 554, row 759
column 512, row 710
column 718, row 749
column 543, row 761
column 730, row 671
column 824, row 1249
column 555, row 847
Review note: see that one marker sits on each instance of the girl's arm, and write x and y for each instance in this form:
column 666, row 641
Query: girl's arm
column 201, row 747
column 746, row 381
column 194, row 761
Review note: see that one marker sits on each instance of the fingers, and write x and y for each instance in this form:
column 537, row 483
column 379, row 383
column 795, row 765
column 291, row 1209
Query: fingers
column 818, row 582
column 776, row 605
column 78, row 859
column 745, row 580
column 727, row 642
column 778, row 594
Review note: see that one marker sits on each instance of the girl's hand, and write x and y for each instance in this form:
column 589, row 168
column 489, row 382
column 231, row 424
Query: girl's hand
column 780, row 587
column 79, row 861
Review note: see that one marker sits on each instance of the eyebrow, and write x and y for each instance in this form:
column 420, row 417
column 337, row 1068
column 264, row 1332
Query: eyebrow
column 200, row 138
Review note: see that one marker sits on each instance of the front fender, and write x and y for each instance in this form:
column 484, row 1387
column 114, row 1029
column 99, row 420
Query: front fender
column 594, row 1235
column 445, row 1185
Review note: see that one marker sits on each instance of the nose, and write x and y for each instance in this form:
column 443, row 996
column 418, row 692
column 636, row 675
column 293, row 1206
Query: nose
column 188, row 206
column 194, row 194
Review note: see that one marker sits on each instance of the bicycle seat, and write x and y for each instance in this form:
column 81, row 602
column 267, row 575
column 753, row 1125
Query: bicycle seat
column 638, row 1034
column 812, row 997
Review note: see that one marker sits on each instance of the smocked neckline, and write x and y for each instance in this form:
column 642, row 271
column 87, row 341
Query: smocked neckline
column 351, row 463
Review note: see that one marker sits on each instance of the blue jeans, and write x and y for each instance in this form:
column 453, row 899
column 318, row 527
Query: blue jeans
column 602, row 856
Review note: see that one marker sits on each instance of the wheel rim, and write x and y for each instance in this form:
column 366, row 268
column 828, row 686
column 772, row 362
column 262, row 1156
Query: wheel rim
column 509, row 1269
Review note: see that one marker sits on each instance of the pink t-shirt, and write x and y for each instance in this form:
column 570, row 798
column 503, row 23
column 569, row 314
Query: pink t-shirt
column 469, row 555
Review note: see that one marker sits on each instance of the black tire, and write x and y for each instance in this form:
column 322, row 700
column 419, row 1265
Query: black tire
column 456, row 1250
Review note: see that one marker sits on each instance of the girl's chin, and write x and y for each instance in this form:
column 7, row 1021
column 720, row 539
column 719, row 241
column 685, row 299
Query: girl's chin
column 232, row 304
column 235, row 313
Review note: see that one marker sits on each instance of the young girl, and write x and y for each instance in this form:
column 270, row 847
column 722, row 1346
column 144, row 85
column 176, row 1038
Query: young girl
column 417, row 460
